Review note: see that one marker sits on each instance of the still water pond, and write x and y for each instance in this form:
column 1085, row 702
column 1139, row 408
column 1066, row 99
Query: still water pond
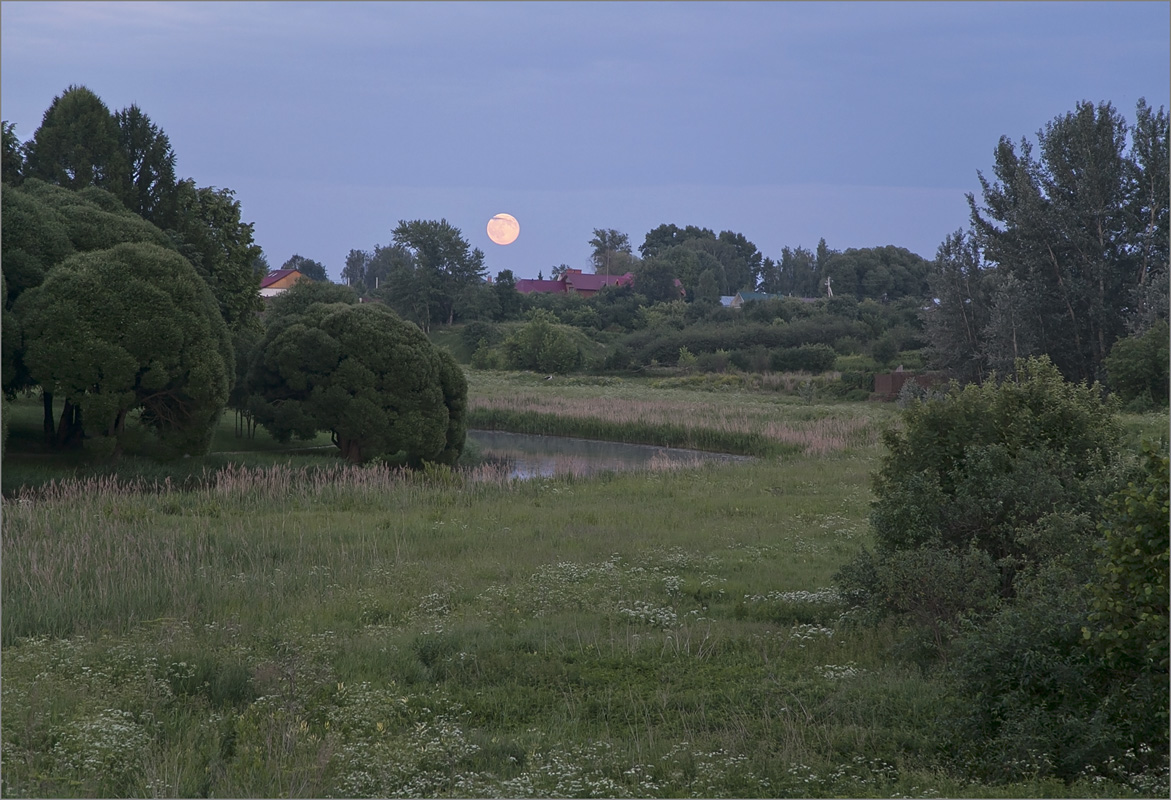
column 530, row 456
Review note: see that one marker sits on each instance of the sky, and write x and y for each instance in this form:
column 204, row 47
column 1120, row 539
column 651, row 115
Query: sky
column 861, row 123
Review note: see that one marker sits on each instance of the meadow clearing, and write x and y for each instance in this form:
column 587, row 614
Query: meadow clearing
column 310, row 628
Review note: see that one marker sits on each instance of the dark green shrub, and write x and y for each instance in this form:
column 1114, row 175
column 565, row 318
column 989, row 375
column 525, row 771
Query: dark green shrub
column 479, row 332
column 713, row 362
column 663, row 346
column 1034, row 699
column 1138, row 368
column 542, row 345
column 486, row 357
column 985, row 517
column 1129, row 624
column 815, row 358
column 885, row 349
column 985, row 464
column 848, row 346
column 620, row 358
column 858, row 380
column 754, row 360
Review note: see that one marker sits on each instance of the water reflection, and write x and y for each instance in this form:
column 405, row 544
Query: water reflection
column 530, row 456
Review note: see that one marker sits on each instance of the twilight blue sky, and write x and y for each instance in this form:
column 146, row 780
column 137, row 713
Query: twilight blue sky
column 863, row 123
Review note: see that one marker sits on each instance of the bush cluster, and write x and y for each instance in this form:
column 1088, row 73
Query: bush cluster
column 988, row 519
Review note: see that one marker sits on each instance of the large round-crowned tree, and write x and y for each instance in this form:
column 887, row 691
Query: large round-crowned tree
column 372, row 379
column 132, row 327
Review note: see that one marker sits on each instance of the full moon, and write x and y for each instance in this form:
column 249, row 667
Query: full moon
column 503, row 229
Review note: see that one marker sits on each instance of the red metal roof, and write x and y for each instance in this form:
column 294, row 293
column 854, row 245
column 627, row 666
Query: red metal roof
column 573, row 280
column 531, row 286
column 582, row 282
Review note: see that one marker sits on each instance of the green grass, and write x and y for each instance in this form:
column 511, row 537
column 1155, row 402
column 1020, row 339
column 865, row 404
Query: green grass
column 354, row 631
column 650, row 634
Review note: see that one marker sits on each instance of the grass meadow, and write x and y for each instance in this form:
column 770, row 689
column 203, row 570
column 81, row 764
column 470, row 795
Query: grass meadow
column 356, row 631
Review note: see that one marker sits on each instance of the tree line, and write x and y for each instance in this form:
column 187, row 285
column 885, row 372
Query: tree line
column 130, row 294
column 1066, row 256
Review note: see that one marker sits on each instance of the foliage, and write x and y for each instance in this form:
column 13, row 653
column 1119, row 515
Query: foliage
column 984, row 513
column 474, row 333
column 655, row 280
column 815, row 358
column 35, row 239
column 542, row 345
column 959, row 314
column 93, row 218
column 43, row 224
column 509, row 300
column 611, row 251
column 132, row 327
column 244, row 344
column 1070, row 236
column 210, row 233
column 12, row 168
column 363, row 373
column 149, row 186
column 1148, row 208
column 77, row 143
column 1129, row 619
column 668, row 235
column 430, row 263
column 881, row 273
column 663, row 345
column 313, row 270
column 303, row 294
column 671, row 315
column 729, row 260
column 987, row 465
column 1034, row 700
column 354, row 272
column 1138, row 367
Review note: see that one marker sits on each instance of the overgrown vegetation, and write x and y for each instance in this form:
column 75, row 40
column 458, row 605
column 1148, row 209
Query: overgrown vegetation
column 986, row 519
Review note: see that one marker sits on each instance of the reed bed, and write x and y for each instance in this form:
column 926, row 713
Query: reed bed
column 748, row 425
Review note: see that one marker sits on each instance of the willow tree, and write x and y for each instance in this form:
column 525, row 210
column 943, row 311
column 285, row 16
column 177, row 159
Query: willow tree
column 371, row 379
column 130, row 328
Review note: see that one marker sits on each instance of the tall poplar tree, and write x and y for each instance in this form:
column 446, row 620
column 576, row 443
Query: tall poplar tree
column 1073, row 238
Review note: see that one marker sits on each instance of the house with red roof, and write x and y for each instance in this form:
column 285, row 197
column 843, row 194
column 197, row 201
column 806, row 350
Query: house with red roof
column 278, row 281
column 573, row 281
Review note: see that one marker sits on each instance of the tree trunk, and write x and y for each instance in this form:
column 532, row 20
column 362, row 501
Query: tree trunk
column 49, row 426
column 116, row 431
column 69, row 428
column 351, row 449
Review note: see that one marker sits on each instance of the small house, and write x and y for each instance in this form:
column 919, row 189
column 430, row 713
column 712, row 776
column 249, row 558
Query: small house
column 279, row 281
